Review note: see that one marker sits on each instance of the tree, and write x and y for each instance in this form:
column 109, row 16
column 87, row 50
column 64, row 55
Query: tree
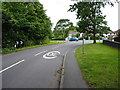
column 90, row 17
column 24, row 21
column 62, row 28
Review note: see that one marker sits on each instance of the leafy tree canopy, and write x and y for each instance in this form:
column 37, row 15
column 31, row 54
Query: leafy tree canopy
column 24, row 21
column 62, row 28
column 90, row 17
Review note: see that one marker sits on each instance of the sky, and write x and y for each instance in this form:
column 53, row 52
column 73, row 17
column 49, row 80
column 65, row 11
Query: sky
column 58, row 9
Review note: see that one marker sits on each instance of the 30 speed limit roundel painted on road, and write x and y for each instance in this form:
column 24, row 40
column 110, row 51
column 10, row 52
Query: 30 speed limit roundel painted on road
column 51, row 55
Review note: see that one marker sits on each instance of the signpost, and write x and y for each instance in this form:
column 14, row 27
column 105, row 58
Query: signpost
column 83, row 44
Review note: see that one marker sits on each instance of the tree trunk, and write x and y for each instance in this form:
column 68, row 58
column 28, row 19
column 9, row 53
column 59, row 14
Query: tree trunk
column 94, row 26
column 62, row 34
column 94, row 37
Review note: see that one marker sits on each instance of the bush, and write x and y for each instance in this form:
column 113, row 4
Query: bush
column 45, row 40
column 58, row 39
column 38, row 42
column 117, row 39
column 77, row 35
column 29, row 43
column 7, row 49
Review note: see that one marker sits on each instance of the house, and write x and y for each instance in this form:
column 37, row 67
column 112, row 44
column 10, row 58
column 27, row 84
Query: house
column 116, row 32
column 71, row 34
column 110, row 34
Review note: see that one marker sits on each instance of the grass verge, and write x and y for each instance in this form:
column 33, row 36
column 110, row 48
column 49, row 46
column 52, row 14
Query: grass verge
column 6, row 50
column 99, row 65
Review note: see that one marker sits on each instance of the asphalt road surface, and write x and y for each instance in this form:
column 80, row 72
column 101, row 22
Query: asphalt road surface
column 39, row 67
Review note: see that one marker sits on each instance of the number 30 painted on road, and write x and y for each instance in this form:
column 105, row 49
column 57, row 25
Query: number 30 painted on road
column 51, row 55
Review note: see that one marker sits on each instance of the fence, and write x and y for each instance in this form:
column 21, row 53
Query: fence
column 112, row 43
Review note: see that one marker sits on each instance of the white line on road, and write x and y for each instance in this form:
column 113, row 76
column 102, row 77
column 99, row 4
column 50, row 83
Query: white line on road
column 12, row 66
column 40, row 52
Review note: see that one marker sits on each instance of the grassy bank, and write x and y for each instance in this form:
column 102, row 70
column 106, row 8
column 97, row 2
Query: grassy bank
column 7, row 50
column 99, row 65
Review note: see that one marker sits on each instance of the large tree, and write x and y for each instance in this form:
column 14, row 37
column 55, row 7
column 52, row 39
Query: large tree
column 24, row 21
column 62, row 28
column 90, row 17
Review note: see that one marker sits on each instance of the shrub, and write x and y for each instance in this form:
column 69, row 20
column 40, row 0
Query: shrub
column 29, row 43
column 45, row 40
column 117, row 39
column 38, row 42
column 7, row 49
column 58, row 39
column 77, row 35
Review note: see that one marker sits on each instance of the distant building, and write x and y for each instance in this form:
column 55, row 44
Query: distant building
column 110, row 34
column 70, row 34
column 116, row 32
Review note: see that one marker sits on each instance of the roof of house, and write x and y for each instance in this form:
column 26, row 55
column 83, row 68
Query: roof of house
column 117, row 31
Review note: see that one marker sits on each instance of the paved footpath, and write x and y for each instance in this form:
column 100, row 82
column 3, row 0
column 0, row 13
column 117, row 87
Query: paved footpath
column 72, row 74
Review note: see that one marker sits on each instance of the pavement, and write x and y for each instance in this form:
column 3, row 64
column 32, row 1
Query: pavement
column 41, row 67
column 72, row 74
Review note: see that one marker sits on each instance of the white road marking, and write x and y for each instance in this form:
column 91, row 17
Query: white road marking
column 12, row 66
column 40, row 52
column 51, row 55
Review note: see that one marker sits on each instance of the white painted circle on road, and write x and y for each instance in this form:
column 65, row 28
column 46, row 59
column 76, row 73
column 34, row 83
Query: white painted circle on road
column 51, row 55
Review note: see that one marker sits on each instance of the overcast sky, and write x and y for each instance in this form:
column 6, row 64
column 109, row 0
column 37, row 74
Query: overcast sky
column 57, row 9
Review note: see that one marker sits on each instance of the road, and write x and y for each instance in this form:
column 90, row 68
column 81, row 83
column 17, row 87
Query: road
column 40, row 67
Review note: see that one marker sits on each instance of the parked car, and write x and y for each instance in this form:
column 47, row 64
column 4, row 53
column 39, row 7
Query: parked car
column 73, row 39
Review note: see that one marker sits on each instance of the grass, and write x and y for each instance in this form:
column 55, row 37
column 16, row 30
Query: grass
column 11, row 50
column 99, row 65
